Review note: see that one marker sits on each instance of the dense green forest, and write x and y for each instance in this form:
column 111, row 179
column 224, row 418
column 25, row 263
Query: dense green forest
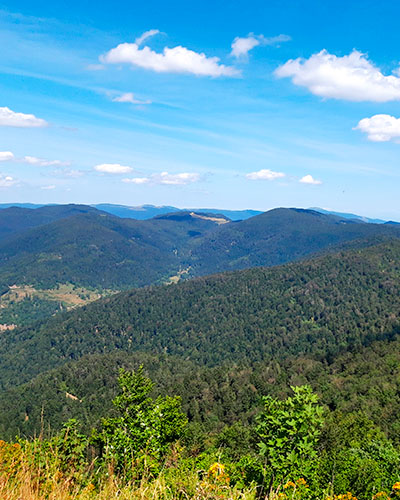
column 271, row 381
column 265, row 327
column 87, row 247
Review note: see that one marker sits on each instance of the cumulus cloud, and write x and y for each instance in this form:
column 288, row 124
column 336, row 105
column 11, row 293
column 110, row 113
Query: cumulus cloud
column 176, row 60
column 113, row 168
column 129, row 98
column 136, row 180
column 352, row 77
column 177, row 179
column 6, row 181
column 309, row 179
column 6, row 156
column 51, row 186
column 41, row 162
column 242, row 45
column 9, row 118
column 380, row 128
column 181, row 179
column 265, row 175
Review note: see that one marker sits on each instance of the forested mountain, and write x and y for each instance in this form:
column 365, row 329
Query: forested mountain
column 143, row 212
column 89, row 248
column 303, row 316
column 278, row 236
column 100, row 250
column 59, row 257
column 366, row 380
column 15, row 220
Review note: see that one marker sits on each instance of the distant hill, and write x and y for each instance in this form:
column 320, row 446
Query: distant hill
column 278, row 236
column 144, row 212
column 86, row 247
column 100, row 250
column 15, row 220
column 344, row 215
column 318, row 307
column 219, row 340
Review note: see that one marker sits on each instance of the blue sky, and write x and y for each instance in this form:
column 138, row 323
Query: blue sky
column 208, row 104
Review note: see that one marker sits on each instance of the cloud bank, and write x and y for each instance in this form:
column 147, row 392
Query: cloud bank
column 176, row 60
column 309, row 179
column 9, row 118
column 352, row 77
column 6, row 156
column 113, row 168
column 380, row 128
column 265, row 175
column 166, row 178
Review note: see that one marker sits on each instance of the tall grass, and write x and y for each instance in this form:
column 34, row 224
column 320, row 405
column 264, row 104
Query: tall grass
column 33, row 473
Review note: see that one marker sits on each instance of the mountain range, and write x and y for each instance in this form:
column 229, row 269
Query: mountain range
column 82, row 245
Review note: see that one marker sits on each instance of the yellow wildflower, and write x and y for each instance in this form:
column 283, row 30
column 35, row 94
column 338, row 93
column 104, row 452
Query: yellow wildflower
column 289, row 484
column 302, row 482
column 396, row 486
column 216, row 469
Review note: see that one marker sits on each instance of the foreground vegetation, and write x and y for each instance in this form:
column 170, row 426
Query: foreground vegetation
column 145, row 449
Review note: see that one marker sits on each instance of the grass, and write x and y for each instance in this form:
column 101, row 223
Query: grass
column 35, row 472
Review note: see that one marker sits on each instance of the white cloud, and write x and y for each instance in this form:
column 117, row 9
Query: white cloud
column 265, row 174
column 181, row 179
column 177, row 179
column 6, row 181
column 6, row 156
column 136, row 180
column 242, row 45
column 176, row 60
column 309, row 179
column 380, row 128
column 41, row 162
column 352, row 77
column 52, row 186
column 113, row 168
column 145, row 36
column 9, row 118
column 129, row 98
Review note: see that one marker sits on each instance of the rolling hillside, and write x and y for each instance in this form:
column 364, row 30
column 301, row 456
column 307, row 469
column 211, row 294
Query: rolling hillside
column 317, row 308
column 220, row 341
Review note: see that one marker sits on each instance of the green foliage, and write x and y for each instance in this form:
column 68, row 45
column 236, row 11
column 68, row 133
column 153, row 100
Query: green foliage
column 356, row 456
column 144, row 428
column 319, row 309
column 289, row 431
column 70, row 447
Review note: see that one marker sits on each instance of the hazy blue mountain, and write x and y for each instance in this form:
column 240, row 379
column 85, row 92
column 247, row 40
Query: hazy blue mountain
column 143, row 212
column 148, row 211
column 17, row 219
column 344, row 215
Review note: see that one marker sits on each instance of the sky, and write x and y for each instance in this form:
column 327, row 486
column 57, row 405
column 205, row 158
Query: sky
column 240, row 104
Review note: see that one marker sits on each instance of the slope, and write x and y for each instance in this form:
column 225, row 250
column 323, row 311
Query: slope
column 100, row 250
column 278, row 236
column 317, row 308
column 15, row 220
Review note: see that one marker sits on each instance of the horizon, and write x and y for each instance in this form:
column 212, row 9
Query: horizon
column 264, row 107
column 137, row 207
